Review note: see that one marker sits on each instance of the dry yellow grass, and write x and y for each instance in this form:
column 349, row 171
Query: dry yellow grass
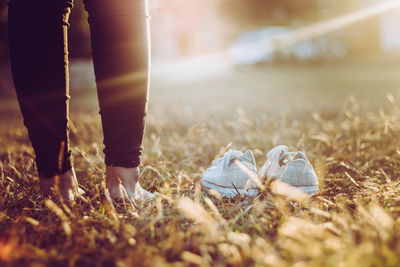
column 353, row 145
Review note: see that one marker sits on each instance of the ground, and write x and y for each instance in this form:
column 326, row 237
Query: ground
column 344, row 116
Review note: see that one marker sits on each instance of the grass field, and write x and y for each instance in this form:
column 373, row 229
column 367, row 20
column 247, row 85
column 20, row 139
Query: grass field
column 345, row 117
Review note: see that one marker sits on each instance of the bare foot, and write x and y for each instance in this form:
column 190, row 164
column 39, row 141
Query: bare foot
column 122, row 183
column 64, row 185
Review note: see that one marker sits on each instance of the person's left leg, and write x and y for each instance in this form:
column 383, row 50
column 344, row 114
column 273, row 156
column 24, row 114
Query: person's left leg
column 121, row 56
column 39, row 63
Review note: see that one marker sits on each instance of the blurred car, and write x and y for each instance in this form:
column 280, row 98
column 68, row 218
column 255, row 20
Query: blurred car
column 256, row 46
column 265, row 45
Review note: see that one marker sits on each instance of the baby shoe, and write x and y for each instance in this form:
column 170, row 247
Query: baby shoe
column 292, row 168
column 229, row 177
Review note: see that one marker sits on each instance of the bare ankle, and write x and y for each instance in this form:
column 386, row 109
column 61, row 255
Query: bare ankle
column 123, row 173
column 63, row 185
column 121, row 181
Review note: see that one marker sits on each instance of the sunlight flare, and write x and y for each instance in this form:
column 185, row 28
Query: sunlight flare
column 217, row 63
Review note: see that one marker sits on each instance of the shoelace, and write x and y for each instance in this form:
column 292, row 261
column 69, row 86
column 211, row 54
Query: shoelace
column 281, row 155
column 229, row 158
column 286, row 157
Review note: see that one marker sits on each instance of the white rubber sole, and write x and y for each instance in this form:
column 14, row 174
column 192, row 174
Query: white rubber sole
column 231, row 192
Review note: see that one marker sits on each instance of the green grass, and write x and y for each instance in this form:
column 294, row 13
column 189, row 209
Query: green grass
column 345, row 117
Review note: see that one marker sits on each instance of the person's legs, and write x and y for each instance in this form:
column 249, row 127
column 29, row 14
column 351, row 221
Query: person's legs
column 121, row 51
column 39, row 62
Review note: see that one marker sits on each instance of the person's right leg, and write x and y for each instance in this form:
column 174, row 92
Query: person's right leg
column 121, row 50
column 39, row 63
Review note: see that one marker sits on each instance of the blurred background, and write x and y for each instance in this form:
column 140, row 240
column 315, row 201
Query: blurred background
column 283, row 47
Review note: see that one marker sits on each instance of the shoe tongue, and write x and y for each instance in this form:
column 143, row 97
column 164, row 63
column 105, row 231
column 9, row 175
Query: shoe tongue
column 274, row 154
column 228, row 156
column 249, row 157
column 301, row 155
column 231, row 155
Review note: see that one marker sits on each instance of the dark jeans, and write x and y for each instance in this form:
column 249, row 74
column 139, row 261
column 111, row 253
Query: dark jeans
column 39, row 61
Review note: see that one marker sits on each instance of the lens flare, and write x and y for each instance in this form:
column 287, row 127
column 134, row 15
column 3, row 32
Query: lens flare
column 217, row 63
column 337, row 23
